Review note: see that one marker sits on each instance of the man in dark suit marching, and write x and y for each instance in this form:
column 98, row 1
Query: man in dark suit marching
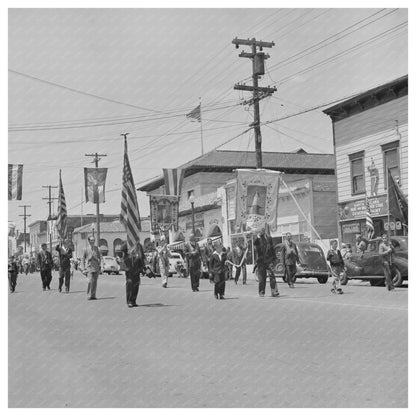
column 45, row 266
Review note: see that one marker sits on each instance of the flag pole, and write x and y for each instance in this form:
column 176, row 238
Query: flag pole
column 200, row 115
column 388, row 204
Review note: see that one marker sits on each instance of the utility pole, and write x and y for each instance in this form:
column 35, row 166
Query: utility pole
column 24, row 221
column 96, row 159
column 50, row 200
column 259, row 93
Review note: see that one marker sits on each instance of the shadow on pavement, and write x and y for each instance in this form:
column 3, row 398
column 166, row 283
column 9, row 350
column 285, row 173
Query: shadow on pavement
column 112, row 297
column 154, row 305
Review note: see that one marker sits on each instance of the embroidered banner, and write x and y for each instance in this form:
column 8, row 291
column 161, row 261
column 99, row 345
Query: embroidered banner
column 164, row 212
column 95, row 184
column 257, row 194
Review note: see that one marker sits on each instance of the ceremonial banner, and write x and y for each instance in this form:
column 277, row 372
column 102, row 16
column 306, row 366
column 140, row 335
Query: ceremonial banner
column 129, row 215
column 256, row 198
column 15, row 182
column 164, row 211
column 95, row 184
column 61, row 221
column 173, row 181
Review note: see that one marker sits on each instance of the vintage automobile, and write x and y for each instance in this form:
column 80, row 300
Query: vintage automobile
column 110, row 265
column 312, row 262
column 369, row 267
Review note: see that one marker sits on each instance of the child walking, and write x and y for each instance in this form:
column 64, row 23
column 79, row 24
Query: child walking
column 217, row 269
column 336, row 263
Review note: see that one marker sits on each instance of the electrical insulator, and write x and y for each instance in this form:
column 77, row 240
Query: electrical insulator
column 259, row 63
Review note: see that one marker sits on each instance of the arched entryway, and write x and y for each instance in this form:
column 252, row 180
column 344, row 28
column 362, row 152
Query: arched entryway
column 103, row 246
column 215, row 231
column 117, row 243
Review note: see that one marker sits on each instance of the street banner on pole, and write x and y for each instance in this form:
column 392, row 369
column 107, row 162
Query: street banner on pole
column 15, row 182
column 164, row 212
column 95, row 184
column 257, row 193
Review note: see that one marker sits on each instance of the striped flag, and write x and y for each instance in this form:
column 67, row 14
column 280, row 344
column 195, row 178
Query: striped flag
column 173, row 181
column 61, row 221
column 129, row 215
column 15, row 182
column 369, row 221
column 195, row 114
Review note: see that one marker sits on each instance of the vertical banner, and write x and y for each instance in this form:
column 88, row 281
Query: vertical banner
column 15, row 178
column 256, row 198
column 173, row 181
column 61, row 221
column 164, row 212
column 95, row 184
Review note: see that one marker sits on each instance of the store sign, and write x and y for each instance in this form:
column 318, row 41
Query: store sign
column 357, row 209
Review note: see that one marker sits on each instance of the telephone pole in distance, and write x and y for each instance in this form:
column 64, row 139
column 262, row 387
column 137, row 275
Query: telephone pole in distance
column 24, row 221
column 50, row 200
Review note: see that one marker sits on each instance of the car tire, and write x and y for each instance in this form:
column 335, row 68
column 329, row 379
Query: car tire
column 322, row 280
column 396, row 276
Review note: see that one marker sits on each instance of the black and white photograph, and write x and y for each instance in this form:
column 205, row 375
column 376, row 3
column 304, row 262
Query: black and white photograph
column 137, row 278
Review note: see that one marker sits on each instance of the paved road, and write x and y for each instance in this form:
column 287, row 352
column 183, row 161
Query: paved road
column 307, row 348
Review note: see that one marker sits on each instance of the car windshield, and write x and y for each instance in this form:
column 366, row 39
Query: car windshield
column 311, row 255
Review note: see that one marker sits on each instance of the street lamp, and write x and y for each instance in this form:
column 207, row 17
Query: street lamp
column 192, row 201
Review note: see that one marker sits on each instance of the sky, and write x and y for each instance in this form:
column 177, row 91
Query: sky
column 79, row 78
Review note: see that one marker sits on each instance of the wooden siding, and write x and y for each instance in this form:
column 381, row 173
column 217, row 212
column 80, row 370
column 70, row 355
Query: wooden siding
column 366, row 132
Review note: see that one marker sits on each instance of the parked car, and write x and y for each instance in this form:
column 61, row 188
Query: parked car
column 175, row 263
column 110, row 265
column 312, row 262
column 369, row 266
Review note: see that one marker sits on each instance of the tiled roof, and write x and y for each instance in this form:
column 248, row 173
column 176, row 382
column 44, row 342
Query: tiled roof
column 228, row 160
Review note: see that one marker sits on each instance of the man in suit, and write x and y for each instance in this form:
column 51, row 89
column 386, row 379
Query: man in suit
column 238, row 256
column 45, row 266
column 91, row 267
column 133, row 264
column 289, row 258
column 265, row 256
column 217, row 270
column 65, row 255
column 193, row 256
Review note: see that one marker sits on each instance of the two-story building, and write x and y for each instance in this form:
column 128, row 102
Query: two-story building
column 370, row 137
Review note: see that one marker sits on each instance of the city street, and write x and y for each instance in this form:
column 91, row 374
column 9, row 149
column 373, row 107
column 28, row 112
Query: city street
column 307, row 348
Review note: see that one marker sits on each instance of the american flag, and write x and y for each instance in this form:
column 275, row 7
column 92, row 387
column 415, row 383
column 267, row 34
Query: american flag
column 61, row 221
column 173, row 181
column 15, row 181
column 129, row 215
column 369, row 221
column 195, row 114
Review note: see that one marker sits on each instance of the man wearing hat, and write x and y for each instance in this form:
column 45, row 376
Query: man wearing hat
column 193, row 256
column 132, row 263
column 65, row 255
column 45, row 266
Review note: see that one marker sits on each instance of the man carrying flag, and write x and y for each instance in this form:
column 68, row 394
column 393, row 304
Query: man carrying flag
column 64, row 248
column 133, row 260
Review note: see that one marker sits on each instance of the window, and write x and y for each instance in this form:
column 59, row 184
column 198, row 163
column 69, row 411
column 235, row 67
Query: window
column 357, row 173
column 190, row 193
column 391, row 161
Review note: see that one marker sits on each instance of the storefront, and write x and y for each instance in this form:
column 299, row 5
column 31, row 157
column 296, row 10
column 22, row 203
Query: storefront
column 352, row 218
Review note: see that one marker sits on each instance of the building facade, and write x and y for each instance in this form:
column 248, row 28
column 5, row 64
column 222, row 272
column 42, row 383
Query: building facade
column 210, row 180
column 370, row 134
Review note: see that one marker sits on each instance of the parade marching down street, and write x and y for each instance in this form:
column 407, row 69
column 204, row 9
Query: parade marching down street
column 226, row 276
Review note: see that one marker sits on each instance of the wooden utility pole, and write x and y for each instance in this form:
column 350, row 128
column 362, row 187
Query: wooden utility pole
column 24, row 221
column 259, row 93
column 50, row 201
column 96, row 159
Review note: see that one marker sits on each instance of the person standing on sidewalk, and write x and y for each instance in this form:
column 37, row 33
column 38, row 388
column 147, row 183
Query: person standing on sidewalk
column 45, row 263
column 163, row 255
column 133, row 263
column 91, row 267
column 217, row 270
column 65, row 256
column 385, row 251
column 193, row 256
column 336, row 262
column 265, row 256
column 289, row 258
